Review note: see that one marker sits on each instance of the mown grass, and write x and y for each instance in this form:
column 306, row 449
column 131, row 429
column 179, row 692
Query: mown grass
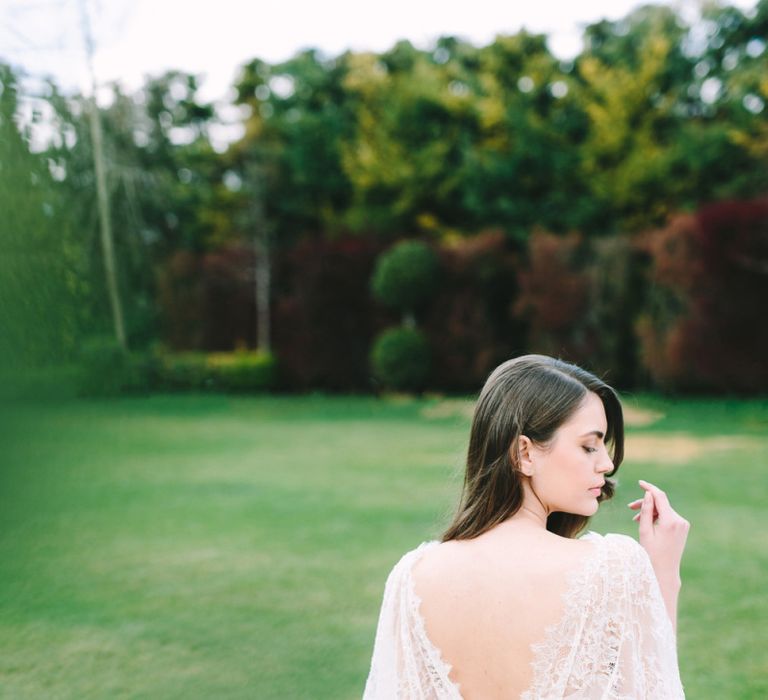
column 220, row 547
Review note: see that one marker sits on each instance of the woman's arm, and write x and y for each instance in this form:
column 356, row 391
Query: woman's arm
column 662, row 534
column 670, row 590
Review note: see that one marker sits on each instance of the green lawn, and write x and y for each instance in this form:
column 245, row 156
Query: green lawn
column 219, row 547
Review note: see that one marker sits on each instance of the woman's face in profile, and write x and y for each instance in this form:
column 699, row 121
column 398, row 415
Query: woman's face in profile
column 565, row 476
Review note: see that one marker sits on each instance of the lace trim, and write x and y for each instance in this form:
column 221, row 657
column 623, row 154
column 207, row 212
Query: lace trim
column 545, row 651
column 575, row 582
column 441, row 667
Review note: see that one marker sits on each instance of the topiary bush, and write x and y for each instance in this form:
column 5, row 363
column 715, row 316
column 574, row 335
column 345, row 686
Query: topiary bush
column 405, row 276
column 400, row 359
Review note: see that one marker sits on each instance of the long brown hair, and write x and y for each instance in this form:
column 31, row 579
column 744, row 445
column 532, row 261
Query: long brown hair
column 530, row 395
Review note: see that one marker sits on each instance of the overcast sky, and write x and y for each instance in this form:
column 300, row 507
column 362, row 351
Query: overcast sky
column 212, row 38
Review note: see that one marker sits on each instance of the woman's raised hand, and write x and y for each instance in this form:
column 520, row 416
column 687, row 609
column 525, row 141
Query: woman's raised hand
column 663, row 531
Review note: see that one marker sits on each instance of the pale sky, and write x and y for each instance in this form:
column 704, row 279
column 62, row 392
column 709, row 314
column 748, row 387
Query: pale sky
column 136, row 37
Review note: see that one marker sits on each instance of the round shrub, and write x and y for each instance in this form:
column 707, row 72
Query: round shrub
column 405, row 276
column 400, row 359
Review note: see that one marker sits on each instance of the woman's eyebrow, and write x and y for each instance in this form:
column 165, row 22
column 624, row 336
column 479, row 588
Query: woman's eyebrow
column 599, row 433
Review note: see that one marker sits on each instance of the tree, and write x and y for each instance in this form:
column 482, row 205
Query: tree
column 523, row 170
column 703, row 326
column 40, row 287
column 164, row 181
column 404, row 159
column 297, row 117
column 631, row 77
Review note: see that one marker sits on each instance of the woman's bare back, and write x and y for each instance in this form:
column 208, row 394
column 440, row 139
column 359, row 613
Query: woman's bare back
column 486, row 600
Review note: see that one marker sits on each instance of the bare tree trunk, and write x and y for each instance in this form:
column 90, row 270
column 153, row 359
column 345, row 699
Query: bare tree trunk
column 262, row 270
column 105, row 221
column 262, row 267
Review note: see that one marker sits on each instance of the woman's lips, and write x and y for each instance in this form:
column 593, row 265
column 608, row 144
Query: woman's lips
column 596, row 490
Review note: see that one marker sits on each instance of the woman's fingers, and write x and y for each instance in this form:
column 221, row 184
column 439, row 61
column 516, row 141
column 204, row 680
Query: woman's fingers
column 646, row 515
column 637, row 505
column 665, row 540
column 659, row 497
column 655, row 506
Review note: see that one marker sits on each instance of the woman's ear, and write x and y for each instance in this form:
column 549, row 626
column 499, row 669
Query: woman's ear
column 524, row 454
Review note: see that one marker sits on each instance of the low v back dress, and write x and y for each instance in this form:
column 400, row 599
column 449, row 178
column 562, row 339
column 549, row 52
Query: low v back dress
column 614, row 640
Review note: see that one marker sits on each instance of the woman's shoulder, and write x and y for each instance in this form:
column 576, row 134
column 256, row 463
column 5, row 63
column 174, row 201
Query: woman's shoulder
column 625, row 545
column 407, row 561
column 435, row 556
column 457, row 565
column 616, row 539
column 622, row 553
column 434, row 553
column 417, row 552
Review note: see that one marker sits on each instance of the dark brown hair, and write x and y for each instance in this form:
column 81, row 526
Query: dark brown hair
column 530, row 395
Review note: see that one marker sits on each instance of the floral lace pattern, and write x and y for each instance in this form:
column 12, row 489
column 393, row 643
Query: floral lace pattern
column 614, row 640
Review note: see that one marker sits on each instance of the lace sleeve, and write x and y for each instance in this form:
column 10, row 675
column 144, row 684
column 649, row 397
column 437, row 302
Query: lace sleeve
column 614, row 640
column 404, row 663
column 647, row 663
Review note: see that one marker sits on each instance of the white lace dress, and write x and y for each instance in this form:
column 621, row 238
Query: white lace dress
column 614, row 640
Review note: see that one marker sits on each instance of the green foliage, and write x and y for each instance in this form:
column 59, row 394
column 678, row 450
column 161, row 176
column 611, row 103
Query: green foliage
column 299, row 115
column 243, row 370
column 413, row 119
column 40, row 289
column 405, row 276
column 521, row 170
column 184, row 371
column 164, row 186
column 462, row 137
column 400, row 359
column 105, row 369
column 238, row 371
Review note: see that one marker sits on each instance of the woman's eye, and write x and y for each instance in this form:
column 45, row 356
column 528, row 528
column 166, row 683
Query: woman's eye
column 590, row 449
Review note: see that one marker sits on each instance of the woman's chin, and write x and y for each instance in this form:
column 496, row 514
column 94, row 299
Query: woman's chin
column 587, row 509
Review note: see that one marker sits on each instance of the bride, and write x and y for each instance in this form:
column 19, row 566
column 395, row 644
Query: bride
column 511, row 602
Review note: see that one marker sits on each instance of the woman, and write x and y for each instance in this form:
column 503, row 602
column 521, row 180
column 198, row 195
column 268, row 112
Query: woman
column 510, row 603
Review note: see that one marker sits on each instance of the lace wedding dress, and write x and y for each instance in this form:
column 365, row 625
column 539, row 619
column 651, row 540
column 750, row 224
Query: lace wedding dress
column 614, row 640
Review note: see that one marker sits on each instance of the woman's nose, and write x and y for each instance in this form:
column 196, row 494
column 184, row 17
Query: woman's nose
column 606, row 464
